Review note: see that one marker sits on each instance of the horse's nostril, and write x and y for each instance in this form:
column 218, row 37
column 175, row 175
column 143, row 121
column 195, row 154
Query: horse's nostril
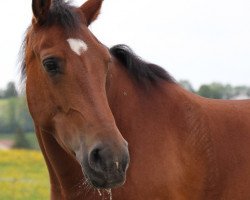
column 95, row 160
column 95, row 156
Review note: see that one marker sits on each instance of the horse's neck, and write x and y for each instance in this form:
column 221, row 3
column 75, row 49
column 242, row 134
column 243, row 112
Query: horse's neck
column 164, row 103
column 164, row 117
column 65, row 173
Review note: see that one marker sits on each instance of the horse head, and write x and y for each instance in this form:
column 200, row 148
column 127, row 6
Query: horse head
column 66, row 69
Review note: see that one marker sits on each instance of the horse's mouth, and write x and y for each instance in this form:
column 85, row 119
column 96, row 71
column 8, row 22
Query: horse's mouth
column 107, row 181
column 107, row 184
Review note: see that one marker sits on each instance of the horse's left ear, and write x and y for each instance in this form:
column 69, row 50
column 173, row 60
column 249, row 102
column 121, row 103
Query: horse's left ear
column 40, row 10
column 91, row 10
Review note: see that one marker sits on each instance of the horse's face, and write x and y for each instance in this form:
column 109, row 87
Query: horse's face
column 66, row 78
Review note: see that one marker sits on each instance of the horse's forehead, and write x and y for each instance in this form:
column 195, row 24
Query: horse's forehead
column 56, row 37
column 77, row 45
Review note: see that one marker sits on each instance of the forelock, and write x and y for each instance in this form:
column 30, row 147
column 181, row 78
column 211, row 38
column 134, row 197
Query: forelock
column 62, row 13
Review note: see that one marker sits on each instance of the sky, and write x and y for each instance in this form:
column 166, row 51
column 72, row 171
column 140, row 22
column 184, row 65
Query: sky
column 198, row 40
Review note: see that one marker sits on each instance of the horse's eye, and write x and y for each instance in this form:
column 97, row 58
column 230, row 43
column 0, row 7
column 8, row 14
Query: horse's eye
column 51, row 65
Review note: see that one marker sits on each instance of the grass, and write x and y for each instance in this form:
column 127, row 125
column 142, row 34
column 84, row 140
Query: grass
column 23, row 176
column 3, row 102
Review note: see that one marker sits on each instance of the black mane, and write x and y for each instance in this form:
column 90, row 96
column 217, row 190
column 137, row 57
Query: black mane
column 141, row 70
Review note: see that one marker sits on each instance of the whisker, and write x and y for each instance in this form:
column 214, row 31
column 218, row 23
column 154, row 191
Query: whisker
column 99, row 192
column 109, row 193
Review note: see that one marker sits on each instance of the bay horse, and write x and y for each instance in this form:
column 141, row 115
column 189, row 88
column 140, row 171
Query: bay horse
column 104, row 115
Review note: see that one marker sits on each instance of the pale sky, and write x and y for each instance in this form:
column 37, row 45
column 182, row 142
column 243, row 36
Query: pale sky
column 199, row 40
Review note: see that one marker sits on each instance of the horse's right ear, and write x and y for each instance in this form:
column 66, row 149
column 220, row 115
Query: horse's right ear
column 91, row 10
column 40, row 10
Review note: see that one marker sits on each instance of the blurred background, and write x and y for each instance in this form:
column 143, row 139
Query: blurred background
column 204, row 45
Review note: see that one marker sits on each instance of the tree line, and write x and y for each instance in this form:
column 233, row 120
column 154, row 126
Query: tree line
column 14, row 114
column 9, row 92
column 218, row 90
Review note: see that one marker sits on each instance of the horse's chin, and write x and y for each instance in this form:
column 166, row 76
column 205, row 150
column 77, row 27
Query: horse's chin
column 100, row 182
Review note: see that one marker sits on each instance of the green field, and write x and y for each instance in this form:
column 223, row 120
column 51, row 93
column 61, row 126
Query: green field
column 23, row 176
column 3, row 102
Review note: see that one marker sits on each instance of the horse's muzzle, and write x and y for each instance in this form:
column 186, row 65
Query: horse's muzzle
column 106, row 167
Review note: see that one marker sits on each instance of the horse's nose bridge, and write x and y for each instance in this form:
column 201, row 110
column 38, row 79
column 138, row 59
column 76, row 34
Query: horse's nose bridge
column 108, row 134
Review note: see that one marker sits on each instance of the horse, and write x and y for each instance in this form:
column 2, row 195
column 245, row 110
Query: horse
column 106, row 119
